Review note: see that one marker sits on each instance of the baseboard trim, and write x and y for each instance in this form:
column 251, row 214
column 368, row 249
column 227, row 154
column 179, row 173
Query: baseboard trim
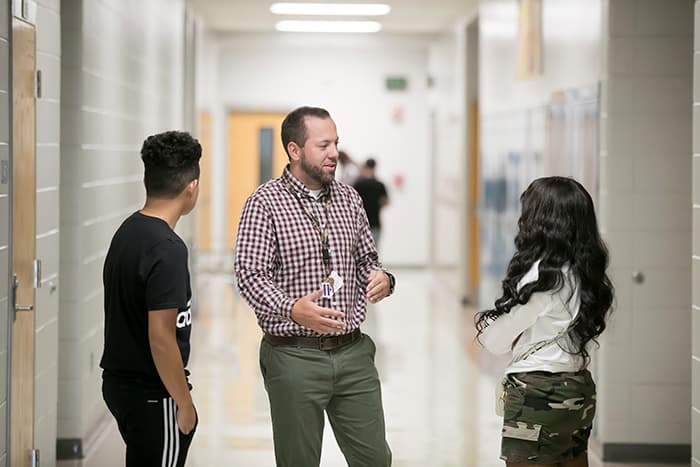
column 661, row 453
column 80, row 448
column 69, row 449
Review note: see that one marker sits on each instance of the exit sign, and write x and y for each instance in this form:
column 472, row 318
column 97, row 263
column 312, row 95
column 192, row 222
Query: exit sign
column 396, row 83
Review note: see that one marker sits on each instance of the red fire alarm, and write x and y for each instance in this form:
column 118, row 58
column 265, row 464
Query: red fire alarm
column 397, row 115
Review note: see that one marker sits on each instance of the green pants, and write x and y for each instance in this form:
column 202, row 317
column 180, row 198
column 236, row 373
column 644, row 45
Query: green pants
column 303, row 383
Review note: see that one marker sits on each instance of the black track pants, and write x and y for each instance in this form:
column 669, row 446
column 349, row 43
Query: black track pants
column 148, row 426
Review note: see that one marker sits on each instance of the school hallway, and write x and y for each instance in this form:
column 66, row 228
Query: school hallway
column 461, row 104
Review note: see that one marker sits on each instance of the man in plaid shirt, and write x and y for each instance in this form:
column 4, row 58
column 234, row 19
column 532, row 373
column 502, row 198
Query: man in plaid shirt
column 306, row 263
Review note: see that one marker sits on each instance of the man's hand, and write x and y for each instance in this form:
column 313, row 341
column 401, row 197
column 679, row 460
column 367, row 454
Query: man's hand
column 186, row 418
column 308, row 314
column 378, row 286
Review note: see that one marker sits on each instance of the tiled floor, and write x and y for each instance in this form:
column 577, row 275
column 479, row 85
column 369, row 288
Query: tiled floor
column 437, row 401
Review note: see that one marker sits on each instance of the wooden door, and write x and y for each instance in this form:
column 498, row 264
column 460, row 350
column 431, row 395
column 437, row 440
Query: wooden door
column 23, row 242
column 254, row 146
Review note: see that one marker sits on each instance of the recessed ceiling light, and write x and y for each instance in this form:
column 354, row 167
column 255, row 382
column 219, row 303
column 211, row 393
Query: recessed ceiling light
column 328, row 26
column 349, row 9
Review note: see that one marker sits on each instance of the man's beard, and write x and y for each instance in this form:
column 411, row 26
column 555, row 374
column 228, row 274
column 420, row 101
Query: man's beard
column 316, row 173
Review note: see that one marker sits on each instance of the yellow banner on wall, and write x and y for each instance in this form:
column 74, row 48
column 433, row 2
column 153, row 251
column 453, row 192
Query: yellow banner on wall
column 530, row 39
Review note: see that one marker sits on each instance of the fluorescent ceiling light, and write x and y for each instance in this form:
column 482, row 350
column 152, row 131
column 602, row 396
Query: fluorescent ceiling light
column 329, row 9
column 328, row 26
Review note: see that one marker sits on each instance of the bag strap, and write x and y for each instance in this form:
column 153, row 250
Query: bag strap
column 538, row 346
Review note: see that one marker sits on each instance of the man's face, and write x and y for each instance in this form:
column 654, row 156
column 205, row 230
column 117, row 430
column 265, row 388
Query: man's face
column 319, row 156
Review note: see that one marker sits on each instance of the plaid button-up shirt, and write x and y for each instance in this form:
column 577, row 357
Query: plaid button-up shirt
column 279, row 252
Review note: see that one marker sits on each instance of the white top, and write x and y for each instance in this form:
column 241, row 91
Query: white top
column 543, row 317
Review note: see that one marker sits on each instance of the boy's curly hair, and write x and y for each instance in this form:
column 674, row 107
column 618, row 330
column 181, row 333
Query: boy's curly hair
column 171, row 161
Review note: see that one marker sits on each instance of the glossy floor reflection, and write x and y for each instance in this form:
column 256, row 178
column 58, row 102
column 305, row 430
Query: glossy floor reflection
column 438, row 399
column 432, row 389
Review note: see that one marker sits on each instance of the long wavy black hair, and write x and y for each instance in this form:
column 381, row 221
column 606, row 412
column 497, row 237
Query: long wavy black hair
column 558, row 226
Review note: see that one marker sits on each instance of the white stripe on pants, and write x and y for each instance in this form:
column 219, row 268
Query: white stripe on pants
column 171, row 434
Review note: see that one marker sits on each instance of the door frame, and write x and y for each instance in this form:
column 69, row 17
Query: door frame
column 10, row 186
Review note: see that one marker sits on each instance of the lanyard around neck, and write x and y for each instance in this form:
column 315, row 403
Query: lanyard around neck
column 322, row 231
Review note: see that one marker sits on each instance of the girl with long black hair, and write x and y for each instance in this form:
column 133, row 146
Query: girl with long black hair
column 556, row 297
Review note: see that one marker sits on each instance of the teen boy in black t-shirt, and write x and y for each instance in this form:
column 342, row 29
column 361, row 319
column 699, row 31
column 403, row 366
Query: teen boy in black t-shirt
column 148, row 320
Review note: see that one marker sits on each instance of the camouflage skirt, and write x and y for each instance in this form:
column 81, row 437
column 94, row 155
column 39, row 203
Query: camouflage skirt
column 547, row 417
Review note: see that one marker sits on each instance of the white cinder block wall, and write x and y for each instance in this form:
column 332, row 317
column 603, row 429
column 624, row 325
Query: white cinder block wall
column 644, row 370
column 695, row 411
column 448, row 106
column 453, row 75
column 122, row 81
column 48, row 132
column 4, row 219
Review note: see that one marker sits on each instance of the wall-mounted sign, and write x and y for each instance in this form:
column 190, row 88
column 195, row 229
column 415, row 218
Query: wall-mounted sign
column 396, row 83
column 530, row 39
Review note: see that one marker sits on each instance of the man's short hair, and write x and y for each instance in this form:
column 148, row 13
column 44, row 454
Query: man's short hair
column 171, row 161
column 294, row 127
column 370, row 163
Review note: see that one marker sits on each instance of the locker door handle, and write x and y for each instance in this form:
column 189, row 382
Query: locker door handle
column 15, row 306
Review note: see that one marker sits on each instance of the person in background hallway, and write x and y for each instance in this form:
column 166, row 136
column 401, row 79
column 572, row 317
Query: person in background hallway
column 374, row 197
column 148, row 321
column 556, row 298
column 306, row 264
column 349, row 170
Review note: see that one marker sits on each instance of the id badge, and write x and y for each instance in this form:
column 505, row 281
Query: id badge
column 327, row 288
column 331, row 285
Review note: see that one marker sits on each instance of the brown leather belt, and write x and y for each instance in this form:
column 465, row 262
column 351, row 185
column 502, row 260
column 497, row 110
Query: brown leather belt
column 321, row 343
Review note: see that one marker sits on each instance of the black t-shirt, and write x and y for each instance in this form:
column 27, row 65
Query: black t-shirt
column 372, row 191
column 145, row 271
